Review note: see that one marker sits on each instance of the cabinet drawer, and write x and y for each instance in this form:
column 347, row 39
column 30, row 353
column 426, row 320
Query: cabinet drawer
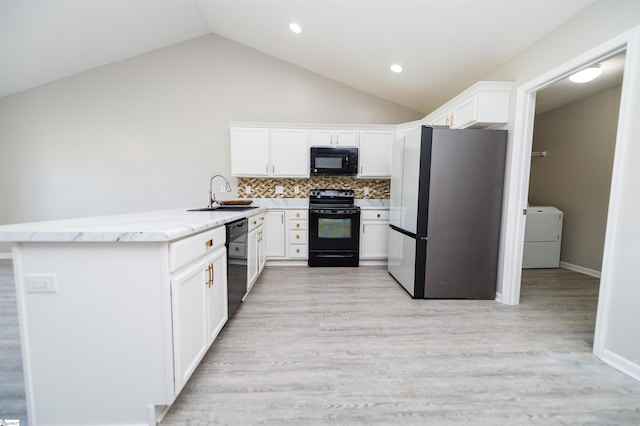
column 374, row 214
column 297, row 237
column 298, row 251
column 256, row 221
column 297, row 224
column 189, row 249
column 298, row 214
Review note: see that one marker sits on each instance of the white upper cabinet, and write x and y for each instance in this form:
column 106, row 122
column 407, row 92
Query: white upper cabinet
column 249, row 151
column 374, row 155
column 289, row 152
column 269, row 152
column 483, row 105
column 333, row 137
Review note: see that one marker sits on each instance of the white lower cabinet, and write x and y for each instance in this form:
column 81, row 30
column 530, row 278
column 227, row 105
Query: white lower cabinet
column 374, row 234
column 256, row 249
column 199, row 311
column 274, row 231
column 297, row 221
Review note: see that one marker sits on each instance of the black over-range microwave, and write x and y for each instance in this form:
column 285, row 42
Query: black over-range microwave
column 334, row 161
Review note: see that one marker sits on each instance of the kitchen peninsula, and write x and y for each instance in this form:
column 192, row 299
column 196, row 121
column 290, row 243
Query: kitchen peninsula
column 114, row 314
column 114, row 311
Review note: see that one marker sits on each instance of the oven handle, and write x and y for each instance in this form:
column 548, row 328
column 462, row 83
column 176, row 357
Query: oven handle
column 335, row 213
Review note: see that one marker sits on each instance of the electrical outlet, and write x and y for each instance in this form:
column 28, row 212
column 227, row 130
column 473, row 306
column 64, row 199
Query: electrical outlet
column 41, row 283
column 296, row 189
column 279, row 189
column 366, row 190
column 247, row 189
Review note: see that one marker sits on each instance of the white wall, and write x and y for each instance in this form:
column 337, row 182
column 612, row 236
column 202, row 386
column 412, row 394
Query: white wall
column 147, row 133
column 598, row 23
column 575, row 176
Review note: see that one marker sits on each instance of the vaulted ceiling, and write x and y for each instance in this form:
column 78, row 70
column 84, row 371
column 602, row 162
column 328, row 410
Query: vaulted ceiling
column 444, row 46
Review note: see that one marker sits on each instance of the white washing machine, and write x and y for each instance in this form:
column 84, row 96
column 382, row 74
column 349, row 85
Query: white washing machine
column 542, row 237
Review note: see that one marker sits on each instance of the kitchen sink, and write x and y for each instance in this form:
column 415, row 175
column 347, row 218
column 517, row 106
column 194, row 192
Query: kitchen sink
column 235, row 208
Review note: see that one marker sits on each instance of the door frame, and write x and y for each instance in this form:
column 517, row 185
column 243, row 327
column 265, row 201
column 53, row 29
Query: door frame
column 520, row 160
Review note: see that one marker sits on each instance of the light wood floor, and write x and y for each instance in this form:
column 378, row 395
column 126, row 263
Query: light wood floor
column 348, row 346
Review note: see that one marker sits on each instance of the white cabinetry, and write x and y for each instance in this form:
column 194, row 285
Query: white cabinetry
column 374, row 234
column 256, row 249
column 199, row 306
column 374, row 156
column 297, row 221
column 483, row 105
column 275, row 245
column 333, row 137
column 249, row 151
column 269, row 152
column 289, row 153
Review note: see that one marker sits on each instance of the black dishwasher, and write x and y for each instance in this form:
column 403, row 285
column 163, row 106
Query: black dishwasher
column 236, row 263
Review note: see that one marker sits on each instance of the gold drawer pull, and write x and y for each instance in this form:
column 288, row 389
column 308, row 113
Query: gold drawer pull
column 297, row 236
column 208, row 243
column 297, row 250
column 297, row 225
column 297, row 214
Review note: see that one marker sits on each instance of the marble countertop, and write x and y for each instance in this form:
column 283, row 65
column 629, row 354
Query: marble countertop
column 151, row 226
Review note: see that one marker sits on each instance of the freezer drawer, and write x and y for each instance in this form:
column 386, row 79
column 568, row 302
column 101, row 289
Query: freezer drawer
column 542, row 238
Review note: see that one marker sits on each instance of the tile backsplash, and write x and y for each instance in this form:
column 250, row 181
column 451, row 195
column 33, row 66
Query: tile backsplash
column 266, row 187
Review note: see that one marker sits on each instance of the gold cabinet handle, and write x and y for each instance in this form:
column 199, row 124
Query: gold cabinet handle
column 297, row 214
column 360, row 169
column 297, row 250
column 266, row 168
column 363, row 225
column 209, row 272
column 273, row 168
column 297, row 236
column 297, row 225
column 255, row 222
column 208, row 243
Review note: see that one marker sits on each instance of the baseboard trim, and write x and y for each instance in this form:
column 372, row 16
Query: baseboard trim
column 581, row 269
column 6, row 256
column 621, row 363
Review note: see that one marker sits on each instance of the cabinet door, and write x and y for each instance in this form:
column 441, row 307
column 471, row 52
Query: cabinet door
column 346, row 138
column 464, row 114
column 321, row 138
column 262, row 254
column 375, row 153
column 443, row 120
column 249, row 151
column 274, row 243
column 217, row 307
column 374, row 237
column 290, row 152
column 252, row 258
column 189, row 317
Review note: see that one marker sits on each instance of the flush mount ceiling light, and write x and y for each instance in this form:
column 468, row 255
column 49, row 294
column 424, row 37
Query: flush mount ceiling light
column 396, row 68
column 587, row 74
column 295, row 28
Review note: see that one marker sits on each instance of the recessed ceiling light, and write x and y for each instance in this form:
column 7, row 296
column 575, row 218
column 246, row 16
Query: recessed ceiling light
column 587, row 74
column 396, row 68
column 295, row 28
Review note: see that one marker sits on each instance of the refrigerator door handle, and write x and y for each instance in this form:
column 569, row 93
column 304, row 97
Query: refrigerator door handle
column 404, row 231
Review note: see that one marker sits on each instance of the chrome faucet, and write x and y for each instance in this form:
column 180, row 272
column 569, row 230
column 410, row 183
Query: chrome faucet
column 212, row 196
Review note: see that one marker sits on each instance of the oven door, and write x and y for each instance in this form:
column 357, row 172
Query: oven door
column 334, row 237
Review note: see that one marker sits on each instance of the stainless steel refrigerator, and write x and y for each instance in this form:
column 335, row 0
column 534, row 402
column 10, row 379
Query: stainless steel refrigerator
column 445, row 212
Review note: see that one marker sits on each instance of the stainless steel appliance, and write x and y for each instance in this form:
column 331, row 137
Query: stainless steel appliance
column 236, row 263
column 445, row 212
column 334, row 228
column 333, row 161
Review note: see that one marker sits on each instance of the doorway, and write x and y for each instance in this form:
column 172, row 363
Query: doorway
column 616, row 287
column 569, row 185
